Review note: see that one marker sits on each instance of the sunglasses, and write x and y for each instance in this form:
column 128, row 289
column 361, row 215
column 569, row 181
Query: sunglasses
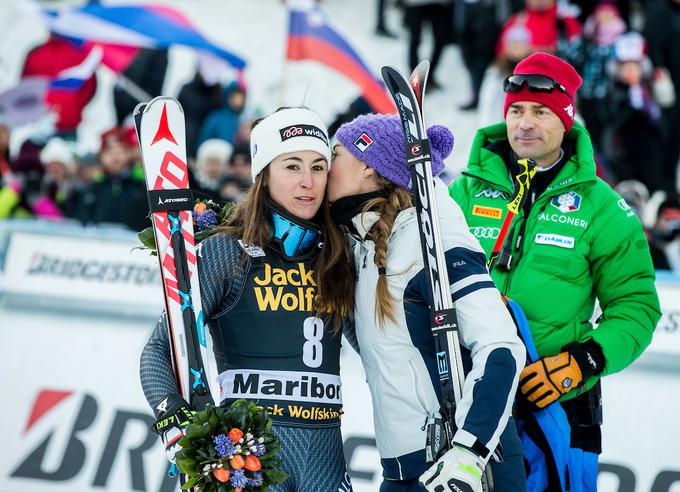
column 533, row 82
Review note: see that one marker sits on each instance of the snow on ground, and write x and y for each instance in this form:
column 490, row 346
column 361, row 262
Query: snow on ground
column 256, row 30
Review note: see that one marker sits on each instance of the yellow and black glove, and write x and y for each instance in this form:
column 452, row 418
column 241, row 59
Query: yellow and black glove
column 546, row 380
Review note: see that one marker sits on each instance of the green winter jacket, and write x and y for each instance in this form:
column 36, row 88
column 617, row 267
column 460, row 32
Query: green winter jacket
column 581, row 242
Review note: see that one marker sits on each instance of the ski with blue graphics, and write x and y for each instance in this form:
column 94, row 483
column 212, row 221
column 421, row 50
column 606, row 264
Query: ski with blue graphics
column 160, row 128
column 408, row 97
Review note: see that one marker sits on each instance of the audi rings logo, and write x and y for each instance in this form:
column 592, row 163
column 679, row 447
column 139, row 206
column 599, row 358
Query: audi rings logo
column 485, row 232
column 416, row 149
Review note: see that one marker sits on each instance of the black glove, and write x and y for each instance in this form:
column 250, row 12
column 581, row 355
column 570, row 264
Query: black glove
column 175, row 415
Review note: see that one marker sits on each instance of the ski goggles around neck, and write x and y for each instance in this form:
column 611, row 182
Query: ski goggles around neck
column 297, row 237
column 533, row 82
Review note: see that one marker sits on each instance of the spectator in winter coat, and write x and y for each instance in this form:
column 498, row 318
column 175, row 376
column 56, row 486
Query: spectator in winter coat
column 198, row 99
column 240, row 164
column 60, row 167
column 478, row 38
column 118, row 196
column 4, row 147
column 546, row 26
column 662, row 31
column 664, row 237
column 47, row 60
column 22, row 186
column 516, row 47
column 223, row 123
column 370, row 187
column 437, row 13
column 592, row 57
column 211, row 165
column 574, row 242
column 634, row 134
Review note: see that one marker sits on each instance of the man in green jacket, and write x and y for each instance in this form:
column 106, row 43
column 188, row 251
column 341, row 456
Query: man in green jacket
column 575, row 241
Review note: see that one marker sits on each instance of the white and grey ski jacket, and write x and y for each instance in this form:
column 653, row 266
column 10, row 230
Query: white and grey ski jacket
column 400, row 360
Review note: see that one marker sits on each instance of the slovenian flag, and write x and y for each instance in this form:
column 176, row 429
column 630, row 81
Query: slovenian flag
column 73, row 78
column 122, row 29
column 311, row 38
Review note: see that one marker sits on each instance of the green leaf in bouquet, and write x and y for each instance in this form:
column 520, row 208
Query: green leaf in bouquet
column 185, row 441
column 213, row 421
column 203, row 416
column 190, row 483
column 225, row 212
column 147, row 239
column 197, row 431
column 186, row 465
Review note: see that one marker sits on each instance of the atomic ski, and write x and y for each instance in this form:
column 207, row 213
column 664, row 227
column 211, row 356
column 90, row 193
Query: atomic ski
column 160, row 127
column 162, row 140
column 408, row 97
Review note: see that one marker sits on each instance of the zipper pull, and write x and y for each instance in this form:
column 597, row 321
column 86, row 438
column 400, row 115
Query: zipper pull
column 427, row 417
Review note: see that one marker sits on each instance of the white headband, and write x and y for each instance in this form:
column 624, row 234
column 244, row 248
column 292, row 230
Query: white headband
column 287, row 130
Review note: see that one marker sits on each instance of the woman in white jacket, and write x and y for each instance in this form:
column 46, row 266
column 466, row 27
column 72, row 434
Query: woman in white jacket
column 369, row 186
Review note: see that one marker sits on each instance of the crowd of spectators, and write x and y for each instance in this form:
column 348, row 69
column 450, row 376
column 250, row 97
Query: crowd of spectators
column 625, row 50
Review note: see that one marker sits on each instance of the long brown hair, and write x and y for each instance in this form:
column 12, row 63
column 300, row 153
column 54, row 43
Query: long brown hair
column 333, row 267
column 393, row 200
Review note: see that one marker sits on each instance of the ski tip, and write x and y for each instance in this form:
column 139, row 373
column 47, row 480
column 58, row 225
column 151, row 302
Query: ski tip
column 390, row 75
column 423, row 66
column 165, row 99
column 139, row 109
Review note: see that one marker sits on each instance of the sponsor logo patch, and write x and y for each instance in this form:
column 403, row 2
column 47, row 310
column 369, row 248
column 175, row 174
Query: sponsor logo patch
column 254, row 251
column 303, row 131
column 485, row 232
column 555, row 240
column 490, row 212
column 623, row 205
column 563, row 219
column 363, row 142
column 567, row 202
column 290, row 289
column 492, row 194
column 295, row 386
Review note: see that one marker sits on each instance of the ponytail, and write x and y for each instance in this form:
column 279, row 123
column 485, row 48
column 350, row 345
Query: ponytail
column 388, row 207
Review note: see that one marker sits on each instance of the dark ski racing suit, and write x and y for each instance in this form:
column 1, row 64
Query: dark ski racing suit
column 268, row 347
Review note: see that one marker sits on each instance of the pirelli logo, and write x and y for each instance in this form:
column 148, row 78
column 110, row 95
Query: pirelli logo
column 490, row 212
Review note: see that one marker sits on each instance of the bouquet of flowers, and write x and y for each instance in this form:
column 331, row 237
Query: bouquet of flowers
column 207, row 215
column 230, row 450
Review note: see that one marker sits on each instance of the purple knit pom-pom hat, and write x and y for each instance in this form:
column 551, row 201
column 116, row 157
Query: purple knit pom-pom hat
column 378, row 141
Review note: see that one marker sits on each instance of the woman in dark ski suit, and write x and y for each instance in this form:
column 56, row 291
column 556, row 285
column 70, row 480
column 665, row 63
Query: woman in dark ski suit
column 259, row 278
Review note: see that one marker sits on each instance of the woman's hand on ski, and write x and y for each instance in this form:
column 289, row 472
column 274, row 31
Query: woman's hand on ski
column 171, row 424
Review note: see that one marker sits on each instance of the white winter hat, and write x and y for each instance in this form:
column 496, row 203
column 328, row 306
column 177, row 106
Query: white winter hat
column 284, row 131
column 56, row 150
column 214, row 147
